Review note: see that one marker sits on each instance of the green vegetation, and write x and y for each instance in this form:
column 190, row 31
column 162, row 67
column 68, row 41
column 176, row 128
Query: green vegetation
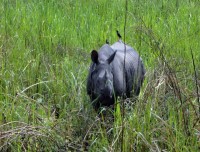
column 44, row 59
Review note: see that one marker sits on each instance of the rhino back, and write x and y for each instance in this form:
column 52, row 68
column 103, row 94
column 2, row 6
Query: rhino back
column 134, row 69
column 132, row 58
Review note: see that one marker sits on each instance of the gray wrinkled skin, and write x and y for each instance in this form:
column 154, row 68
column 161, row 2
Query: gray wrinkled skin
column 107, row 78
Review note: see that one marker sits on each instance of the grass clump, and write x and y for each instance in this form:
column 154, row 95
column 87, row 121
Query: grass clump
column 44, row 59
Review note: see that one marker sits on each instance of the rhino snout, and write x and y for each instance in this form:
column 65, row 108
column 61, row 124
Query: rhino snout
column 106, row 92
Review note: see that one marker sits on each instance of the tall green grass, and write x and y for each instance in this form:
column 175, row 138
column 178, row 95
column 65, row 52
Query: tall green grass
column 44, row 59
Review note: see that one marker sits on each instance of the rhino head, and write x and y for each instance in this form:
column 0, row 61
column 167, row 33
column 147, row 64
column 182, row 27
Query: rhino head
column 102, row 78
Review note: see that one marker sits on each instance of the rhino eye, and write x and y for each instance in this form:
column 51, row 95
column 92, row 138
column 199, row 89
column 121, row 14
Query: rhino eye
column 93, row 74
column 98, row 81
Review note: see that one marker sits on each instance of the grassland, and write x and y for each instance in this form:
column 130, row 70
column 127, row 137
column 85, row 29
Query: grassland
column 44, row 59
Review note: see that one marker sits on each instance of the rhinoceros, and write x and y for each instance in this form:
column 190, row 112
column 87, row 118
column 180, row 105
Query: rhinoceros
column 109, row 78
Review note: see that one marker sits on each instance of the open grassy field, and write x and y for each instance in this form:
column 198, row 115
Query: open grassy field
column 45, row 50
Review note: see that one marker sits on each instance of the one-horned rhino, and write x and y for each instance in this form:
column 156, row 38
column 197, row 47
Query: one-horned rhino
column 108, row 76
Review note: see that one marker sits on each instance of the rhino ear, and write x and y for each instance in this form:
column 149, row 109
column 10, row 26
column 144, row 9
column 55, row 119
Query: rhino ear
column 110, row 59
column 94, row 56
